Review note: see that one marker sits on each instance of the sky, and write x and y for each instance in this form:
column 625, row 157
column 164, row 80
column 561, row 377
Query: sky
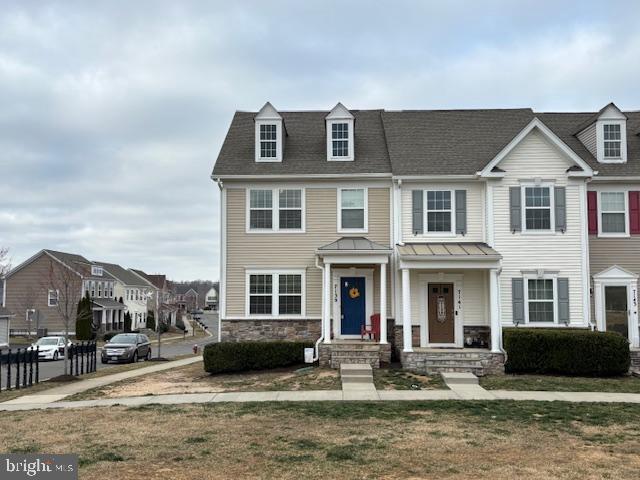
column 112, row 113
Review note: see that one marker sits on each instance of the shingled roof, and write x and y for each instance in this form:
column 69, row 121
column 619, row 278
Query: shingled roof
column 410, row 142
column 122, row 274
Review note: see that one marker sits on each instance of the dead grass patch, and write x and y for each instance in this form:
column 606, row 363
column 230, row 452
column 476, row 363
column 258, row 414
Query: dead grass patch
column 452, row 440
column 193, row 379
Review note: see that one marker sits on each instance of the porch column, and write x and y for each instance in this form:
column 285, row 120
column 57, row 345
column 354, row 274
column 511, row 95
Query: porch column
column 406, row 311
column 494, row 309
column 104, row 320
column 383, row 303
column 326, row 299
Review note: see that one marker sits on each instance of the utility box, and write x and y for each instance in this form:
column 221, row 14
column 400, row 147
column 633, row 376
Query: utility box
column 308, row 355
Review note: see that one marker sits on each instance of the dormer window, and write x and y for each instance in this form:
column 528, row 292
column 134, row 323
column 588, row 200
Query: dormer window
column 610, row 135
column 268, row 140
column 340, row 126
column 612, row 140
column 269, row 135
column 340, row 139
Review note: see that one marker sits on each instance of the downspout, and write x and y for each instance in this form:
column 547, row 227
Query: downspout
column 316, row 348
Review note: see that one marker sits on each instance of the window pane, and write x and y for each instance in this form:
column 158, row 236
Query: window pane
column 438, row 200
column 261, row 219
column 290, row 220
column 290, row 199
column 537, row 197
column 352, row 198
column 612, row 149
column 353, row 218
column 267, row 132
column 340, row 148
column 541, row 289
column 340, row 131
column 260, row 284
column 612, row 201
column 260, row 304
column 612, row 132
column 290, row 304
column 261, row 198
column 538, row 219
column 290, row 284
column 540, row 311
column 613, row 223
column 439, row 221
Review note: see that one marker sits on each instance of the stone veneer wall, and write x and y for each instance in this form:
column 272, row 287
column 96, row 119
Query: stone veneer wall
column 419, row 362
column 635, row 359
column 269, row 330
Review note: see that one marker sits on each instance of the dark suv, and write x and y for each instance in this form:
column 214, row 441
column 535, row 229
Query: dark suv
column 127, row 347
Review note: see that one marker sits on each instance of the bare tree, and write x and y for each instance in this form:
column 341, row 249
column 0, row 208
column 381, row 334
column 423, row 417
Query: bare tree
column 67, row 285
column 27, row 301
column 5, row 264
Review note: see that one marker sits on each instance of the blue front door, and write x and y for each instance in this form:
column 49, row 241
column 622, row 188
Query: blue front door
column 352, row 298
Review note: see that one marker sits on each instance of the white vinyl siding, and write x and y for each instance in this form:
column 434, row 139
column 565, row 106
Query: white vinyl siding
column 475, row 212
column 589, row 138
column 560, row 253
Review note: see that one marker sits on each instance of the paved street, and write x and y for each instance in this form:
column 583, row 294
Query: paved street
column 169, row 350
column 210, row 319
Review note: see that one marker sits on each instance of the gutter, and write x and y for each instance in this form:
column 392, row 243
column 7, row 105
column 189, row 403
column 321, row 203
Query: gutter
column 218, row 178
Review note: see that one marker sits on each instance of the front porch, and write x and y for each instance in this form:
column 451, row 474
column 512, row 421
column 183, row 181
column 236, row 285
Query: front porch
column 431, row 361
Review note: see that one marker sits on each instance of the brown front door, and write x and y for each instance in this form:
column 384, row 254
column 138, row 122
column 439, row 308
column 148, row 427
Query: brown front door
column 441, row 314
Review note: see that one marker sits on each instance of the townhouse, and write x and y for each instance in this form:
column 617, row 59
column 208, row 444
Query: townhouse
column 436, row 228
column 46, row 288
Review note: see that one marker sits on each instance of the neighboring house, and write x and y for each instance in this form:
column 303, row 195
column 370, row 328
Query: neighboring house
column 161, row 293
column 186, row 298
column 134, row 291
column 35, row 292
column 5, row 318
column 211, row 298
column 450, row 225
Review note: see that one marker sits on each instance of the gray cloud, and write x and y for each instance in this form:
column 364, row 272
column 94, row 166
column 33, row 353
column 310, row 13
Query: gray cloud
column 112, row 113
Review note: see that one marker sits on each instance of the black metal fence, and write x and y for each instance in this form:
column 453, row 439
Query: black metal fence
column 83, row 358
column 22, row 368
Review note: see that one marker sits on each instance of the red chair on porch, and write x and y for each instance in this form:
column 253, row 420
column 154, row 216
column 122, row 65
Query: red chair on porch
column 373, row 330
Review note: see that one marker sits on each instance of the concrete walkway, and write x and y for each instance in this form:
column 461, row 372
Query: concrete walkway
column 58, row 393
column 329, row 395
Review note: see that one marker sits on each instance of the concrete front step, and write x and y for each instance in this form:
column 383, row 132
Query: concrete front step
column 355, row 369
column 478, row 371
column 459, row 378
column 337, row 362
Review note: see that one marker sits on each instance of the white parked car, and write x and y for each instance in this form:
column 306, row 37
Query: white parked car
column 50, row 348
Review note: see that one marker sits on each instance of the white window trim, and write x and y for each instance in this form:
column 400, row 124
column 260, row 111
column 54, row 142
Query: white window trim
column 366, row 211
column 626, row 233
column 600, row 141
column 552, row 208
column 275, row 210
column 425, row 213
column 275, row 294
column 278, row 157
column 526, row 279
column 57, row 292
column 350, row 157
column 96, row 271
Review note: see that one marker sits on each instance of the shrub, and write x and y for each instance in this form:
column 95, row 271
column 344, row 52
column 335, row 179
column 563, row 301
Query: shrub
column 568, row 352
column 108, row 336
column 180, row 323
column 84, row 319
column 238, row 357
column 151, row 321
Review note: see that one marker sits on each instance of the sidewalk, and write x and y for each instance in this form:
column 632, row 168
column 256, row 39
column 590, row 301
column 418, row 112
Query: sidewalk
column 329, row 395
column 58, row 393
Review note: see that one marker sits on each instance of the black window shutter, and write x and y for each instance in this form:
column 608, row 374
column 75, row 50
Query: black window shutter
column 515, row 209
column 560, row 199
column 461, row 212
column 517, row 298
column 416, row 210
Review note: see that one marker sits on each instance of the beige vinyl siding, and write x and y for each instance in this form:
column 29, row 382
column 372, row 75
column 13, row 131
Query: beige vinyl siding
column 535, row 158
column 588, row 138
column 275, row 251
column 474, row 295
column 475, row 212
column 28, row 288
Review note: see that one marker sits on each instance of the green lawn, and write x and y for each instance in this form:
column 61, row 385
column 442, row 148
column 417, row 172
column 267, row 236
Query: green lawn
column 626, row 384
column 339, row 440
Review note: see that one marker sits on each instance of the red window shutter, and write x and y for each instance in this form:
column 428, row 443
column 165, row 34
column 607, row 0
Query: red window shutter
column 634, row 212
column 592, row 208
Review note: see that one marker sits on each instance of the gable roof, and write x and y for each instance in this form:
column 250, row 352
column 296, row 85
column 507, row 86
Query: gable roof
column 156, row 280
column 412, row 142
column 122, row 274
